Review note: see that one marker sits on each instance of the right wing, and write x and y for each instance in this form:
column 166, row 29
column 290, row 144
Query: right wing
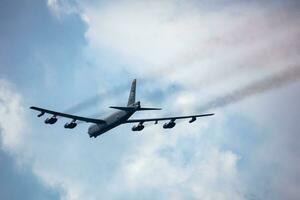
column 74, row 117
column 167, row 118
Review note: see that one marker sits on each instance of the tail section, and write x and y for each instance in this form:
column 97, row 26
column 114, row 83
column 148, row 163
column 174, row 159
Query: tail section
column 131, row 99
column 132, row 105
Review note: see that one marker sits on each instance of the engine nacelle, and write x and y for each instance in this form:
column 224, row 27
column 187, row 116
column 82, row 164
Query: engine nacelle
column 138, row 127
column 70, row 125
column 170, row 124
column 51, row 120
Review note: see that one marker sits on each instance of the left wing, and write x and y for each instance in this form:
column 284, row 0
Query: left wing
column 193, row 118
column 74, row 117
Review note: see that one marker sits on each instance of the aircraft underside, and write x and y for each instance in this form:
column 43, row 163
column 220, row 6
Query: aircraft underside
column 122, row 116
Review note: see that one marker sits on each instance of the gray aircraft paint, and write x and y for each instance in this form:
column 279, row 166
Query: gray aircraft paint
column 119, row 117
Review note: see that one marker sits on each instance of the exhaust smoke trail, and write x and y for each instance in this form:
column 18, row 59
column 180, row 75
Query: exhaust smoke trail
column 277, row 80
column 84, row 105
column 94, row 100
column 280, row 79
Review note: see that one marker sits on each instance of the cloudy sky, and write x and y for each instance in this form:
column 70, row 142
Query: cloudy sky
column 239, row 59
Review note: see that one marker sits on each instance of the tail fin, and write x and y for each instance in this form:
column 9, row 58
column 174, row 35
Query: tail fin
column 131, row 99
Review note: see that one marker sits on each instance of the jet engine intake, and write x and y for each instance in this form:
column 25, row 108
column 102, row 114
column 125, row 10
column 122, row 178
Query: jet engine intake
column 170, row 124
column 138, row 127
column 51, row 120
column 70, row 125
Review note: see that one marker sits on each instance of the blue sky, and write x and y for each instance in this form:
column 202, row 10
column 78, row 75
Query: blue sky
column 56, row 54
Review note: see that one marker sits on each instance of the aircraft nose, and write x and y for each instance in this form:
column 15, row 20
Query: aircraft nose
column 93, row 130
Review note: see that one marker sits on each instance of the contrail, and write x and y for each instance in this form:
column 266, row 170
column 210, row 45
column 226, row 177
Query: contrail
column 84, row 105
column 94, row 100
column 279, row 79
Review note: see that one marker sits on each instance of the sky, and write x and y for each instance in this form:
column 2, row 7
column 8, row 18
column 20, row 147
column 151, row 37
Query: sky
column 239, row 59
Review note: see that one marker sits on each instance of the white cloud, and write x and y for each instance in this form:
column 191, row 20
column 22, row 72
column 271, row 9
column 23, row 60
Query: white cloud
column 179, row 41
column 211, row 175
column 12, row 123
column 60, row 8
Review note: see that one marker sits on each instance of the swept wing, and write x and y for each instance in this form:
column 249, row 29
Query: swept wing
column 74, row 117
column 167, row 118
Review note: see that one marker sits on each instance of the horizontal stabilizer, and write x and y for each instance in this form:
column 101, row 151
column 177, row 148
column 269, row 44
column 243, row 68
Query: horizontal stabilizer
column 130, row 108
column 141, row 109
column 122, row 108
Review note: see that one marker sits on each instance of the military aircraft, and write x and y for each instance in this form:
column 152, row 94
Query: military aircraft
column 122, row 116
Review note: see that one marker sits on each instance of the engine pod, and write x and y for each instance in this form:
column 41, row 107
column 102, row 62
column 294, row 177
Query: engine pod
column 51, row 120
column 170, row 124
column 138, row 127
column 70, row 125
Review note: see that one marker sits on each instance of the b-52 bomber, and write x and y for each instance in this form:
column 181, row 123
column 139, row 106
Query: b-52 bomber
column 122, row 116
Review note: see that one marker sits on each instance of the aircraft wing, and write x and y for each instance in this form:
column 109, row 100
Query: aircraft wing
column 167, row 118
column 74, row 117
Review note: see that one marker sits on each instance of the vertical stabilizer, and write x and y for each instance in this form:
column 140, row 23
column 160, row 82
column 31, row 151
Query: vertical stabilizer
column 131, row 99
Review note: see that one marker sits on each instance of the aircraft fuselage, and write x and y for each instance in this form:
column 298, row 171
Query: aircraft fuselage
column 113, row 120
